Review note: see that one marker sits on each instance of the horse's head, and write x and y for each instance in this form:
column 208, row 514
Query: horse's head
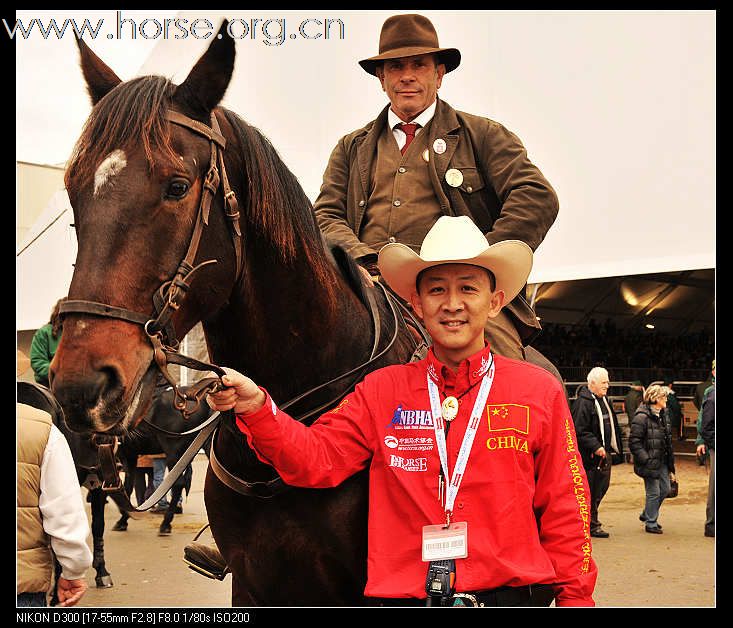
column 135, row 183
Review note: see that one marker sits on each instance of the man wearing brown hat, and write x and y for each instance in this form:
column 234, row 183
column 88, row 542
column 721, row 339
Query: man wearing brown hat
column 386, row 183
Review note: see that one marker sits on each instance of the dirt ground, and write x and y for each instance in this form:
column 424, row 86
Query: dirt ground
column 675, row 569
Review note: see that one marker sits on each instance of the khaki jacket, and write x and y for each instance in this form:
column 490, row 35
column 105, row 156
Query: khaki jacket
column 504, row 193
column 35, row 560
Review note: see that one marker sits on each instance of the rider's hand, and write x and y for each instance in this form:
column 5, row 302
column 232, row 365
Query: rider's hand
column 241, row 394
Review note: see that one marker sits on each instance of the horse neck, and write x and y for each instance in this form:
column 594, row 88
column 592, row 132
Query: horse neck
column 281, row 329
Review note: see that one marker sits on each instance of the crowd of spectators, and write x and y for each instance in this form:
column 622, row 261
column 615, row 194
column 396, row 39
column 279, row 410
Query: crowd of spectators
column 644, row 354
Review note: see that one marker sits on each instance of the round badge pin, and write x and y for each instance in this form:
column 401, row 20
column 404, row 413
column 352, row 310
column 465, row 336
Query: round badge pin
column 454, row 177
column 439, row 146
column 426, row 155
column 450, row 408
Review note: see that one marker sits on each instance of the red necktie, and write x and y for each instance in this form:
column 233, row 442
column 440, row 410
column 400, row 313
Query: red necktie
column 409, row 131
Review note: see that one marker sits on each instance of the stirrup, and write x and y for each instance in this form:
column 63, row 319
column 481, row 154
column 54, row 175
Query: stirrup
column 204, row 559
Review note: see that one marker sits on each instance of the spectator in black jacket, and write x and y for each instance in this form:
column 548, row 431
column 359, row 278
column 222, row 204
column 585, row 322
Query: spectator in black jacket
column 650, row 443
column 599, row 440
column 707, row 433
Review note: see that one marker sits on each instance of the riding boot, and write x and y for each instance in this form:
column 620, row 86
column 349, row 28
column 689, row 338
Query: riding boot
column 206, row 560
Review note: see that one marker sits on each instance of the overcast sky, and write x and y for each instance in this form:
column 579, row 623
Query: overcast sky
column 617, row 108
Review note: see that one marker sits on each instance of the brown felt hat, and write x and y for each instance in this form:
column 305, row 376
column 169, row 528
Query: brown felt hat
column 407, row 36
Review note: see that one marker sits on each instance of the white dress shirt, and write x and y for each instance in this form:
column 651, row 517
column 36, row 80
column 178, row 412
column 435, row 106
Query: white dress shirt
column 399, row 135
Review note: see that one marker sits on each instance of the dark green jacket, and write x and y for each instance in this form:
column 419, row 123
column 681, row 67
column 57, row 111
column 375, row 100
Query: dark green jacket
column 674, row 410
column 699, row 440
column 43, row 348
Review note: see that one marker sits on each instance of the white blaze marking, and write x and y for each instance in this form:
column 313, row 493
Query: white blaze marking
column 112, row 165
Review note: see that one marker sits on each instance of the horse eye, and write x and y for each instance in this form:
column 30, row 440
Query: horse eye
column 177, row 189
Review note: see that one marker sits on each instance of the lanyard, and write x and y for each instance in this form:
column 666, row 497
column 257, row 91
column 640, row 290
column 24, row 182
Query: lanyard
column 471, row 429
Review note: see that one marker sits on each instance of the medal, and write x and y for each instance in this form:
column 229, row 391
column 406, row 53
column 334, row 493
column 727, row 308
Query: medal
column 450, row 408
column 439, row 146
column 454, row 177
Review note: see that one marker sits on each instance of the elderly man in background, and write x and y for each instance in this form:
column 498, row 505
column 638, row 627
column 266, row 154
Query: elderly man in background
column 599, row 439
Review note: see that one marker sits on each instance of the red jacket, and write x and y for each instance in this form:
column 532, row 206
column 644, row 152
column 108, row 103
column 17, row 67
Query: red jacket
column 524, row 494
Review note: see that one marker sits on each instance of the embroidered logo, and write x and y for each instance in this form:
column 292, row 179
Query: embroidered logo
column 508, row 416
column 391, row 441
column 408, row 464
column 396, row 417
column 481, row 370
column 410, row 419
column 417, row 443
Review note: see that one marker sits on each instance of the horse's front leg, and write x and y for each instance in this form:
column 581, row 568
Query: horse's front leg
column 97, row 500
column 165, row 525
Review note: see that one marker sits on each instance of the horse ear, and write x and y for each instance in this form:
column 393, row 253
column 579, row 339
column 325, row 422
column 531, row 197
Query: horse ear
column 207, row 82
column 99, row 77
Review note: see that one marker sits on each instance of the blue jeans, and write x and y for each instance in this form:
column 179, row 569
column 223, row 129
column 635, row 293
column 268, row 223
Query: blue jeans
column 158, row 475
column 31, row 599
column 657, row 490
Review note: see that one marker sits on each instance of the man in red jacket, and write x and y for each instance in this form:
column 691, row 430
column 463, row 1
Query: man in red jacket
column 478, row 495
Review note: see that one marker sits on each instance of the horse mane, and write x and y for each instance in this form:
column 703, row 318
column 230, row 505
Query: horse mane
column 131, row 113
column 277, row 207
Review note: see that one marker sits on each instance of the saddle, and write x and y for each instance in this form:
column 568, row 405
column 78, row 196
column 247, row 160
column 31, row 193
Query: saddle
column 350, row 270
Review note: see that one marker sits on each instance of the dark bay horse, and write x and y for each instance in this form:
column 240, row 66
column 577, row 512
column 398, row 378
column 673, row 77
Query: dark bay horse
column 278, row 304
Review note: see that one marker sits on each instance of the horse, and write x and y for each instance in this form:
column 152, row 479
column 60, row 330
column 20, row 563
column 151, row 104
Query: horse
column 163, row 173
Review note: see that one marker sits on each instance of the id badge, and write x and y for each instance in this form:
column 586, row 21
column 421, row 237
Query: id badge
column 442, row 543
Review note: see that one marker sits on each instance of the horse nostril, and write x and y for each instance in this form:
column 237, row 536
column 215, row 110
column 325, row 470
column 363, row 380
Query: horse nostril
column 107, row 382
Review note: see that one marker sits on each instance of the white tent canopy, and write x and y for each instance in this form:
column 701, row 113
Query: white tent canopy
column 45, row 264
column 617, row 108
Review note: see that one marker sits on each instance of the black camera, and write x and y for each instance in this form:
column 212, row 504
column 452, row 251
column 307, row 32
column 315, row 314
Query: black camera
column 441, row 579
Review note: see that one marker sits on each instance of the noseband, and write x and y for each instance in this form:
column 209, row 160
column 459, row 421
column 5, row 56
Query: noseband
column 167, row 299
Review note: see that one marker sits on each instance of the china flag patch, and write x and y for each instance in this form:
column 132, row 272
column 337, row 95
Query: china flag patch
column 508, row 416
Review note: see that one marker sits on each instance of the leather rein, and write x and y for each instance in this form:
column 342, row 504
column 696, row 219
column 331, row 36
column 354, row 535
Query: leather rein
column 161, row 334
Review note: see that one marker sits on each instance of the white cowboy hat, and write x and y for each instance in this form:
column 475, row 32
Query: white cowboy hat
column 456, row 240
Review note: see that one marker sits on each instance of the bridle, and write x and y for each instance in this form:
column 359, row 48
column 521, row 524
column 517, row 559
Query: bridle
column 161, row 334
column 167, row 299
